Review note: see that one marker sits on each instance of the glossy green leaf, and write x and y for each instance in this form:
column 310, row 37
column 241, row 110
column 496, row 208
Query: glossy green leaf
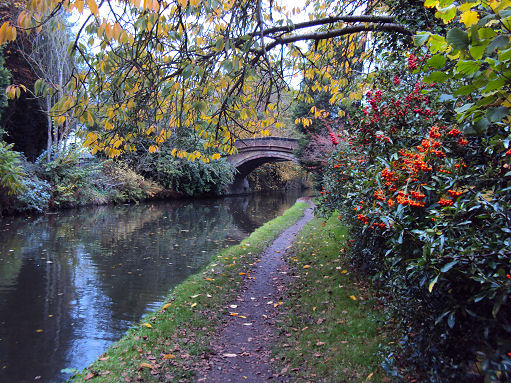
column 421, row 38
column 467, row 66
column 457, row 38
column 436, row 76
column 437, row 61
column 477, row 51
column 446, row 14
column 497, row 114
column 499, row 42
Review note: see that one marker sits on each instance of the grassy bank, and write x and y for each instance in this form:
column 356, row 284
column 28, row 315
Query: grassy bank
column 170, row 341
column 330, row 331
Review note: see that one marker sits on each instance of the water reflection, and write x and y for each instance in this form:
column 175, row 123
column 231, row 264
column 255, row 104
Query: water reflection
column 72, row 283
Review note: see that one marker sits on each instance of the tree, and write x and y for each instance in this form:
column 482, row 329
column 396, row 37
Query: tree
column 203, row 65
column 47, row 54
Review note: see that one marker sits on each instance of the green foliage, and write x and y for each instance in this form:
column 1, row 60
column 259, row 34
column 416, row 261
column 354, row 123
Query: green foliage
column 11, row 173
column 180, row 174
column 5, row 80
column 194, row 178
column 478, row 58
column 75, row 179
column 67, row 175
column 429, row 209
column 36, row 195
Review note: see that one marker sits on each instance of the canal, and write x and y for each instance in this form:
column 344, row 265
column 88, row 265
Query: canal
column 72, row 283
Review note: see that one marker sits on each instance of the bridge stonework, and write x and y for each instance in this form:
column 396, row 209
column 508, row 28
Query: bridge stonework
column 254, row 152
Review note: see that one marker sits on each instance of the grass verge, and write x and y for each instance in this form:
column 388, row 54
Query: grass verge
column 170, row 342
column 332, row 327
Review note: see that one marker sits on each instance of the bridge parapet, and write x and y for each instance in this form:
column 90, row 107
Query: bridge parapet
column 256, row 151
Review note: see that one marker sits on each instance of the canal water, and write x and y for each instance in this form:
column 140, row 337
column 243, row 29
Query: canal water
column 73, row 282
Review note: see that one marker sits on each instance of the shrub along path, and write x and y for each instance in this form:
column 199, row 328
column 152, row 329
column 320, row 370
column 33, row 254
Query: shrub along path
column 242, row 350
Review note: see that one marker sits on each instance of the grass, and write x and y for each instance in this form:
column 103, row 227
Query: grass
column 169, row 342
column 331, row 329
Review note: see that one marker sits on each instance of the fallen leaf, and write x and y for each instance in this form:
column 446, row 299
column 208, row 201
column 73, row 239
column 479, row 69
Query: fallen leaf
column 169, row 356
column 148, row 325
column 230, row 355
column 209, row 279
column 194, row 296
column 233, row 306
column 104, row 358
column 90, row 375
column 146, row 365
column 353, row 297
column 344, row 271
column 241, row 273
column 370, row 376
column 320, row 343
column 306, row 266
column 194, row 304
column 39, row 330
column 166, row 306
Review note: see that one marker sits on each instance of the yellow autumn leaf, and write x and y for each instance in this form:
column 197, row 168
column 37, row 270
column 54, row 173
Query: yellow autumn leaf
column 93, row 7
column 39, row 330
column 3, row 32
column 148, row 325
column 146, row 365
column 90, row 119
column 79, row 5
column 306, row 266
column 166, row 306
column 194, row 304
column 469, row 18
column 353, row 297
column 169, row 356
column 208, row 279
column 215, row 156
column 344, row 271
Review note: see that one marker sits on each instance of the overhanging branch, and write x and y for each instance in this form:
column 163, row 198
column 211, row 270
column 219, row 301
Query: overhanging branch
column 330, row 20
column 317, row 36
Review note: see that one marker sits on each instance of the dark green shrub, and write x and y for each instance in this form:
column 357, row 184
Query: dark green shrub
column 429, row 213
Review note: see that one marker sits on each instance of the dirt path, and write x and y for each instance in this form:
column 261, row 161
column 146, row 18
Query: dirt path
column 241, row 353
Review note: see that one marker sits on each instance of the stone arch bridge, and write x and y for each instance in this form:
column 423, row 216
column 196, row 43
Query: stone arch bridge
column 254, row 152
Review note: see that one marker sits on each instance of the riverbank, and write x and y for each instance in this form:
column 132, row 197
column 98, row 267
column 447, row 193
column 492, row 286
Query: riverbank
column 179, row 342
column 170, row 342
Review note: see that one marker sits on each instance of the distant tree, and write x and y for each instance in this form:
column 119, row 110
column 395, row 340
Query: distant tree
column 48, row 55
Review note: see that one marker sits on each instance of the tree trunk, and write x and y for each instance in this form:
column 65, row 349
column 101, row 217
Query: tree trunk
column 50, row 133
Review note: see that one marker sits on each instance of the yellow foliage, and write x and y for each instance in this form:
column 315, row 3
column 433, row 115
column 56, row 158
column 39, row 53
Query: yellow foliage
column 469, row 18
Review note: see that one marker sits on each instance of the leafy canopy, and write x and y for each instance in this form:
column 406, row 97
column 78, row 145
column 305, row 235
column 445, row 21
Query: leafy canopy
column 155, row 67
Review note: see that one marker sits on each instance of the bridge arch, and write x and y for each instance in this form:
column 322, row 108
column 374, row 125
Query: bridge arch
column 255, row 152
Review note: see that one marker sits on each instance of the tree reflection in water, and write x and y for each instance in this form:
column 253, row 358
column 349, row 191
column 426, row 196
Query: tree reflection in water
column 71, row 283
